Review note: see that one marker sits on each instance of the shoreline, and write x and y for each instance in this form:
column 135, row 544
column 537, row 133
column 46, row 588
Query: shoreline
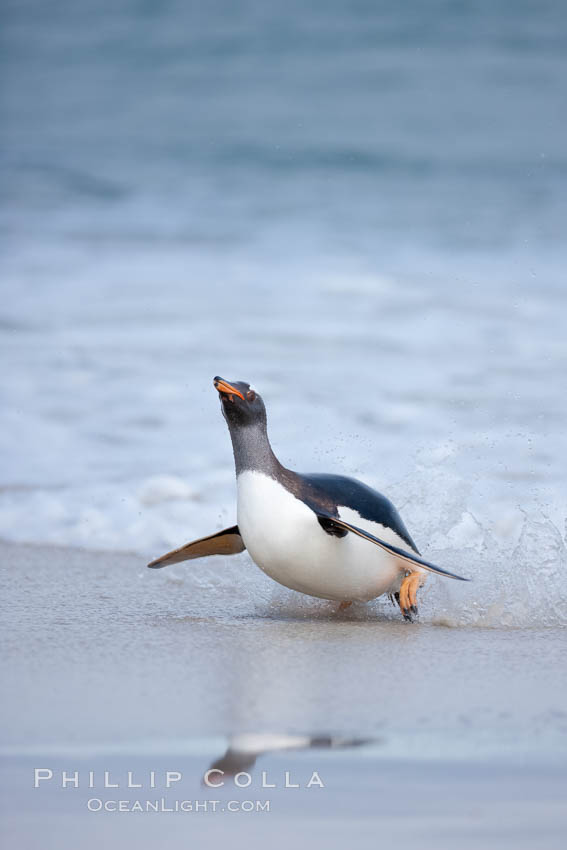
column 234, row 652
column 110, row 667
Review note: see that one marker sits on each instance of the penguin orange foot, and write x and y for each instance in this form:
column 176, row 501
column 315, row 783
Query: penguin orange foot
column 407, row 596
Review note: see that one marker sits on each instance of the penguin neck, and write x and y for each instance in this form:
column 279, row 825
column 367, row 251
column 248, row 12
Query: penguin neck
column 252, row 450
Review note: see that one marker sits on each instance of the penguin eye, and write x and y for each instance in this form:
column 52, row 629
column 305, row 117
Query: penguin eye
column 250, row 395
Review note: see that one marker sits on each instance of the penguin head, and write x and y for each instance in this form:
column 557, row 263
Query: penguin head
column 241, row 404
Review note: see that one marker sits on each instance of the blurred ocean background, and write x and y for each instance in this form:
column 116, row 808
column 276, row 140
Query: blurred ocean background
column 359, row 207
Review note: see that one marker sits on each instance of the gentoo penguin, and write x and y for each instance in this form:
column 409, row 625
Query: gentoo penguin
column 324, row 535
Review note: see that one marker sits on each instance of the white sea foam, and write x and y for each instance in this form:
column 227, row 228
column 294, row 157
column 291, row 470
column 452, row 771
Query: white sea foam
column 113, row 439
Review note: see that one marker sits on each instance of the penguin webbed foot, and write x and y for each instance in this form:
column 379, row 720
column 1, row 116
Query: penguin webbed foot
column 407, row 596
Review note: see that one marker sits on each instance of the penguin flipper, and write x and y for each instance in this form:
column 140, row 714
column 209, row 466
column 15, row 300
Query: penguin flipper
column 226, row 542
column 334, row 525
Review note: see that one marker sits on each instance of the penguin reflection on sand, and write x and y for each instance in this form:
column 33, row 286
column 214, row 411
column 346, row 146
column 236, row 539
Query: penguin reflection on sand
column 243, row 750
column 324, row 535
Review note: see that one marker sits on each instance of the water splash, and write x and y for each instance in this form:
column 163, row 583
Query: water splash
column 514, row 584
column 522, row 585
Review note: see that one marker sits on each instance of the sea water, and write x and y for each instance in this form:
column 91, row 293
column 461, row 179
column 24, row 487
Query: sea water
column 360, row 209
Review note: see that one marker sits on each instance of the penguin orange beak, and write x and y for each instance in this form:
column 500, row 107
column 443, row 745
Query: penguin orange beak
column 223, row 386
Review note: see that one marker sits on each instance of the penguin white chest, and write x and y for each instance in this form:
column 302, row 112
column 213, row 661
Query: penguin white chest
column 284, row 538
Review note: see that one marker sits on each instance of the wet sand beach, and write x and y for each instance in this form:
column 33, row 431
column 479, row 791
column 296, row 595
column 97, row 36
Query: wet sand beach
column 109, row 666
